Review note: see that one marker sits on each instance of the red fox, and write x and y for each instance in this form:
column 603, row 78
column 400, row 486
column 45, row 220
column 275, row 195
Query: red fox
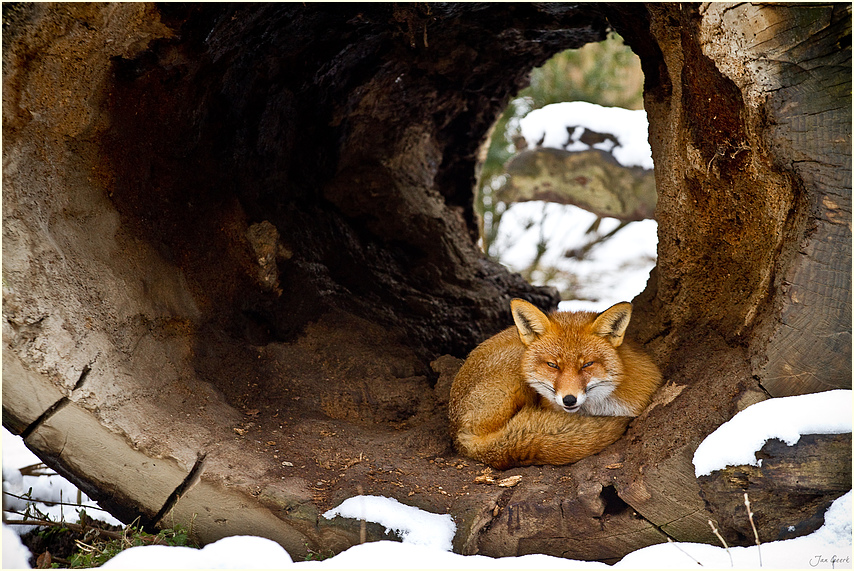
column 551, row 390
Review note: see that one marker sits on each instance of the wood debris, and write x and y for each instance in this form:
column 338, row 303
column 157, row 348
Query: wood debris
column 486, row 477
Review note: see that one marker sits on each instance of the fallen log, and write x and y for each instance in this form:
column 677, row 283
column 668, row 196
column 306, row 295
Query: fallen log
column 789, row 490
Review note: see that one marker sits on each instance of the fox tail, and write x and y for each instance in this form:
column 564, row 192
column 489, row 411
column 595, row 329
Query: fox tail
column 542, row 436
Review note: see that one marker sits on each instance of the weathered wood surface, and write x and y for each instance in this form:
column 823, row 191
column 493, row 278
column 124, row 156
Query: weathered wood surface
column 707, row 96
column 151, row 150
column 803, row 88
column 592, row 180
column 789, row 491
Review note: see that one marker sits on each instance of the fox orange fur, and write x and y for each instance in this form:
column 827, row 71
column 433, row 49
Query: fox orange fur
column 551, row 390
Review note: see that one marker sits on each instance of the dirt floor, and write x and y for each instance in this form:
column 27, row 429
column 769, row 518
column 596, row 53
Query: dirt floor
column 348, row 415
column 352, row 416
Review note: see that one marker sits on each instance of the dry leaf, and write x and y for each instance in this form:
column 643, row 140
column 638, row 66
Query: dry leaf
column 44, row 561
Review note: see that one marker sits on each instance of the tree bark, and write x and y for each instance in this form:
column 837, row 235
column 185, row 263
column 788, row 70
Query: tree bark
column 592, row 180
column 239, row 255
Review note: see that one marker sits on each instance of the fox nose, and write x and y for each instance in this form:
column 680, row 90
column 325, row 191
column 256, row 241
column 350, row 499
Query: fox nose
column 569, row 401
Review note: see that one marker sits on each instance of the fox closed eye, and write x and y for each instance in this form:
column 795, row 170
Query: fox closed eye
column 552, row 365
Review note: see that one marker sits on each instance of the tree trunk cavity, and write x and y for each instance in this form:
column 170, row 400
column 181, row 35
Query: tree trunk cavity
column 240, row 259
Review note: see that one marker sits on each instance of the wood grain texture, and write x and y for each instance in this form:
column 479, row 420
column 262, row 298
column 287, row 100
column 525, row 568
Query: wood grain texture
column 804, row 90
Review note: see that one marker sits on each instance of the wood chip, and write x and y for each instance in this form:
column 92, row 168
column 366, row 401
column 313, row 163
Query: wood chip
column 510, row 481
column 507, row 482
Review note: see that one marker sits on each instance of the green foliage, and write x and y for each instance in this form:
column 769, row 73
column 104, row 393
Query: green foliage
column 98, row 552
column 89, row 542
column 312, row 555
column 607, row 73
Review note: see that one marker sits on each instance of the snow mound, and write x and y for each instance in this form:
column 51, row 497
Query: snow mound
column 829, row 547
column 236, row 552
column 413, row 525
column 15, row 555
column 394, row 555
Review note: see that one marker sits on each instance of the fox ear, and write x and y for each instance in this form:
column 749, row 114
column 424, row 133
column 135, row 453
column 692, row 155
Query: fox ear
column 611, row 323
column 530, row 321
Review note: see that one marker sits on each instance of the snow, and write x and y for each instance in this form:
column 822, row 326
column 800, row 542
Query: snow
column 552, row 123
column 613, row 271
column 786, row 418
column 394, row 555
column 829, row 547
column 415, row 526
column 826, row 548
column 15, row 555
column 236, row 552
column 16, row 456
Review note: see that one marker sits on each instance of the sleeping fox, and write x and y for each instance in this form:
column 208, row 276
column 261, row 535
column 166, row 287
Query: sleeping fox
column 551, row 390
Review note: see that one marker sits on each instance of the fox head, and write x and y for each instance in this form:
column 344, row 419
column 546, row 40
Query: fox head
column 571, row 359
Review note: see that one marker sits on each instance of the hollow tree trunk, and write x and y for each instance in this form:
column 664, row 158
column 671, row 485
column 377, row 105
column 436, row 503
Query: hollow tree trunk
column 237, row 236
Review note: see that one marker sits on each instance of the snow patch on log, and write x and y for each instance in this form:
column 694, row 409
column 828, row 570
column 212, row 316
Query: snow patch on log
column 735, row 442
column 413, row 525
